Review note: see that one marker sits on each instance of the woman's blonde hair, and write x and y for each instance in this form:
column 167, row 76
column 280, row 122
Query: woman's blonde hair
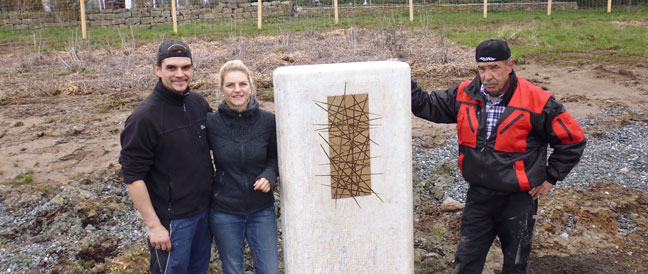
column 234, row 65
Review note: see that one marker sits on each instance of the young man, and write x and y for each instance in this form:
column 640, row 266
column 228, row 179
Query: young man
column 504, row 125
column 167, row 167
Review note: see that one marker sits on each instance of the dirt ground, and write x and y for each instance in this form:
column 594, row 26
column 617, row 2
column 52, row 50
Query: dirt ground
column 61, row 114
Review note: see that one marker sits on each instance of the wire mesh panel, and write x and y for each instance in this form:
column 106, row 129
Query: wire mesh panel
column 317, row 3
column 602, row 4
column 38, row 14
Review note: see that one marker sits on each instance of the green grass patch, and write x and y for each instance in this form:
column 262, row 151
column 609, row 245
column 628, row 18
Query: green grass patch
column 563, row 35
column 22, row 178
column 46, row 189
column 438, row 231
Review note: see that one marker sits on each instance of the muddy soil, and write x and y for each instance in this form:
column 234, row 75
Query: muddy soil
column 61, row 114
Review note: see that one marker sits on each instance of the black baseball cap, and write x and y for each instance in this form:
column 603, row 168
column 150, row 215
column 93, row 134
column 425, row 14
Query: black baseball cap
column 492, row 50
column 173, row 48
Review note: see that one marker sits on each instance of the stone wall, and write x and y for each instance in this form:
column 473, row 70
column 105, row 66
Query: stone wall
column 37, row 20
column 123, row 18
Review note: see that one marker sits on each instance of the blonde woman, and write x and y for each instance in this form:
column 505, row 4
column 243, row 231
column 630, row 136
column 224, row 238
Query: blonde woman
column 243, row 142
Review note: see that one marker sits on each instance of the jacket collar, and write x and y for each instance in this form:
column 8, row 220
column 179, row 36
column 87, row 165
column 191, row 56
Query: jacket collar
column 475, row 85
column 247, row 114
column 170, row 96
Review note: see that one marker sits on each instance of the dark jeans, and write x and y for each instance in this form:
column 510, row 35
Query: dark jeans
column 190, row 247
column 260, row 230
column 489, row 213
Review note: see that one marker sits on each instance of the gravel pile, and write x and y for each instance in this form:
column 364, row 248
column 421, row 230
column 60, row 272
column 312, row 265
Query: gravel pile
column 42, row 234
column 620, row 156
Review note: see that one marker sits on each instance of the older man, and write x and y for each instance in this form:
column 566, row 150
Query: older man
column 167, row 167
column 504, row 125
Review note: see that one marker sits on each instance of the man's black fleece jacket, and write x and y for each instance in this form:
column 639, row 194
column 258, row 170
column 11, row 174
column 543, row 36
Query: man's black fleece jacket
column 164, row 143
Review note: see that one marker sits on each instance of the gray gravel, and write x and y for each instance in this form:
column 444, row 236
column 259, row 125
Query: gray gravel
column 620, row 156
column 42, row 234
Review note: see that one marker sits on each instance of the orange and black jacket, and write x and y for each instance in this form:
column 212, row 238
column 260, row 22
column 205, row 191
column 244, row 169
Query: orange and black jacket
column 514, row 157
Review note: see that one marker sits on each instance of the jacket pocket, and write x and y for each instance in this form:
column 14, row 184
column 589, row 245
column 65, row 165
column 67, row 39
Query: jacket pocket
column 467, row 126
column 513, row 131
column 567, row 129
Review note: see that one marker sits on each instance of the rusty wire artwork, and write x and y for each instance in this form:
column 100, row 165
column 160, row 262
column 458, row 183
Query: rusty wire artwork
column 348, row 145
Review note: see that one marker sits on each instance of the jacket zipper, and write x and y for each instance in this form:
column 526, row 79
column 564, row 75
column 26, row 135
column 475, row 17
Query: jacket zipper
column 170, row 196
column 188, row 124
column 472, row 128
column 242, row 148
column 566, row 130
column 511, row 123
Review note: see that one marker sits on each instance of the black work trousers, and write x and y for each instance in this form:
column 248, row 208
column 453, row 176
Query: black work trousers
column 489, row 213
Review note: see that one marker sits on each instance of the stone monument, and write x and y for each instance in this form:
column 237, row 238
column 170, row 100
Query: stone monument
column 345, row 160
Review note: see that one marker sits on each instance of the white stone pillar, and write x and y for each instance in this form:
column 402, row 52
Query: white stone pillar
column 372, row 231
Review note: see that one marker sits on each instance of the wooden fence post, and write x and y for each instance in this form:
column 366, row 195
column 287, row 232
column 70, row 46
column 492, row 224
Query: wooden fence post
column 609, row 6
column 259, row 15
column 173, row 15
column 549, row 8
column 84, row 34
column 485, row 8
column 335, row 11
column 411, row 10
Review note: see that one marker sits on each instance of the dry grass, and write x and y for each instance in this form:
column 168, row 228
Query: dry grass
column 127, row 69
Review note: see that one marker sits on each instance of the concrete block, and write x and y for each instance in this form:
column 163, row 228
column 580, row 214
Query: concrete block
column 345, row 152
column 118, row 21
column 133, row 21
column 147, row 20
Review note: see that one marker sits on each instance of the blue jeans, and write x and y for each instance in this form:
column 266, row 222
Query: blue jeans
column 190, row 247
column 260, row 230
